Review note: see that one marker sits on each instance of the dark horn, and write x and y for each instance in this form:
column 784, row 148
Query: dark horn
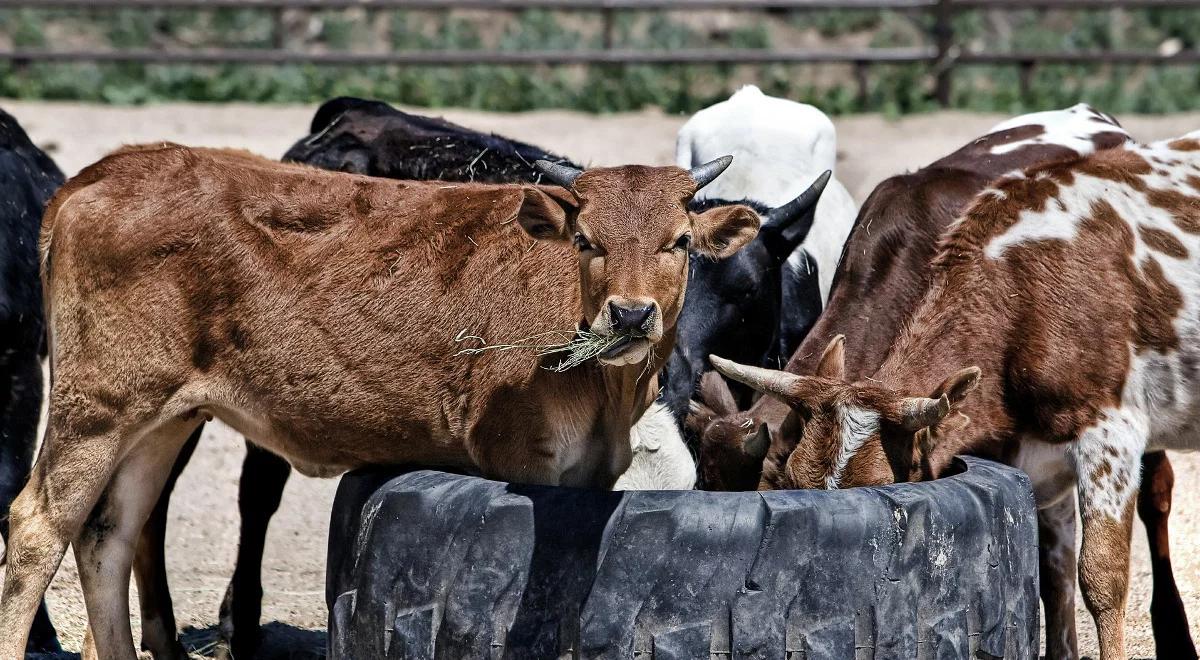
column 563, row 175
column 782, row 215
column 704, row 174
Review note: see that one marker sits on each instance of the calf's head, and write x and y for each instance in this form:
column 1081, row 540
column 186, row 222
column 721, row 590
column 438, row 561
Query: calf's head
column 633, row 233
column 733, row 305
column 853, row 434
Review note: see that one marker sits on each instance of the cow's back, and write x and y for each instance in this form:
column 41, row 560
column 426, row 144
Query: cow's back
column 333, row 297
column 884, row 270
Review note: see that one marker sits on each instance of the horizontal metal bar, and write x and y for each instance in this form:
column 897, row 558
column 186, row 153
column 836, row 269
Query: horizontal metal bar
column 499, row 5
column 959, row 5
column 463, row 57
column 1087, row 57
column 592, row 5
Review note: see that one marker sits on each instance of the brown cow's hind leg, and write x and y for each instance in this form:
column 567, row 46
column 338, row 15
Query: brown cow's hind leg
column 69, row 475
column 159, row 635
column 105, row 546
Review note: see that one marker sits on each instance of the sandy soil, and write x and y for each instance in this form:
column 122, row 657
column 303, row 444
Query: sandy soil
column 203, row 530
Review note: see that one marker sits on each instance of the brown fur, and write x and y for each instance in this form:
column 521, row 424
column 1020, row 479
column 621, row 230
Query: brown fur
column 884, row 271
column 1051, row 322
column 317, row 313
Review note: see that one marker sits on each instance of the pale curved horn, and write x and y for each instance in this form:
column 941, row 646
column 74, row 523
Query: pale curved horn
column 920, row 412
column 563, row 175
column 704, row 174
column 763, row 380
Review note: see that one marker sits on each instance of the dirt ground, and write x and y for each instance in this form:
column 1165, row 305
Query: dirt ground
column 203, row 528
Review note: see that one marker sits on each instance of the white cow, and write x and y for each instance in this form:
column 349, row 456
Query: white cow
column 779, row 147
column 661, row 460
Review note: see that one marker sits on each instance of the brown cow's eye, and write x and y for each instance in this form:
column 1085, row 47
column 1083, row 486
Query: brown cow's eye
column 683, row 242
column 582, row 243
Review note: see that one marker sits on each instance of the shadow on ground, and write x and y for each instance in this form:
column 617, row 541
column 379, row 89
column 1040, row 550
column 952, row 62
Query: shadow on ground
column 279, row 642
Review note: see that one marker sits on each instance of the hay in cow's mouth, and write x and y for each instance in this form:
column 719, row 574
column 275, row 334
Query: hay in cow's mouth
column 579, row 346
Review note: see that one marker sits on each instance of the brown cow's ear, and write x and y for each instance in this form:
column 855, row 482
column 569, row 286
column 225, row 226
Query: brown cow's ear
column 832, row 364
column 699, row 417
column 546, row 216
column 757, row 444
column 715, row 393
column 957, row 387
column 722, row 231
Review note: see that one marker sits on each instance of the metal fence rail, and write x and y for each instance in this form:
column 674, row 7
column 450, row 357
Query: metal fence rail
column 941, row 56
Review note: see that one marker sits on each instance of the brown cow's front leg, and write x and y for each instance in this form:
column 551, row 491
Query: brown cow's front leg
column 260, row 490
column 1056, row 556
column 159, row 634
column 1171, row 636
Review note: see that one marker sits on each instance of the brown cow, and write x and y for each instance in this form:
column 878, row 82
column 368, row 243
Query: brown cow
column 316, row 313
column 1072, row 288
column 885, row 271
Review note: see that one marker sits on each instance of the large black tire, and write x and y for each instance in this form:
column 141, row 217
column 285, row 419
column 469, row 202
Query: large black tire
column 435, row 565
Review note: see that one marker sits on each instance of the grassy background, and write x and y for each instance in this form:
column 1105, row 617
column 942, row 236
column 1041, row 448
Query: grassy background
column 892, row 89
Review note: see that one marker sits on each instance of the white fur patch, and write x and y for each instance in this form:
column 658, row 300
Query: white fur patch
column 1072, row 127
column 661, row 460
column 855, row 426
column 1108, row 460
column 1060, row 218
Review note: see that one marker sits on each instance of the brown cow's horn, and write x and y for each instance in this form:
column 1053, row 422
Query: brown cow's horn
column 763, row 380
column 920, row 412
column 704, row 174
column 563, row 175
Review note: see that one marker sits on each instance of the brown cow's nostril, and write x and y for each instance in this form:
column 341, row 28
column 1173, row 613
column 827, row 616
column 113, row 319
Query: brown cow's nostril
column 629, row 319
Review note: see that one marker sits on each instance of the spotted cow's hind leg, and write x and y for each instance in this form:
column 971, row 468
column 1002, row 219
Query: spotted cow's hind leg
column 1172, row 638
column 1108, row 462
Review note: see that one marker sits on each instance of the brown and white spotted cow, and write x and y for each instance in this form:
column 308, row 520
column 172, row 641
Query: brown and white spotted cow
column 316, row 313
column 885, row 269
column 1062, row 328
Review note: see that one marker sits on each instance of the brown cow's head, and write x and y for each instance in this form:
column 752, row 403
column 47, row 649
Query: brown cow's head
column 732, row 443
column 852, row 434
column 633, row 232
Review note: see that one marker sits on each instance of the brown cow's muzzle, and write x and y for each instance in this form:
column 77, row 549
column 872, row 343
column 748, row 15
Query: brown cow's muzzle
column 637, row 324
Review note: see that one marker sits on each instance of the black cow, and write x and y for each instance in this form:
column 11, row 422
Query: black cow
column 28, row 178
column 372, row 138
column 738, row 304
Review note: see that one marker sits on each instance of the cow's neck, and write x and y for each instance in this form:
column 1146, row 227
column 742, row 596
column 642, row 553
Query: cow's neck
column 962, row 322
column 627, row 394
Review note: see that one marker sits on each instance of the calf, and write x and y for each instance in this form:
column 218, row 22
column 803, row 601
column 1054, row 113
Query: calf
column 28, row 178
column 316, row 313
column 372, row 138
column 1066, row 295
column 886, row 272
column 779, row 146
